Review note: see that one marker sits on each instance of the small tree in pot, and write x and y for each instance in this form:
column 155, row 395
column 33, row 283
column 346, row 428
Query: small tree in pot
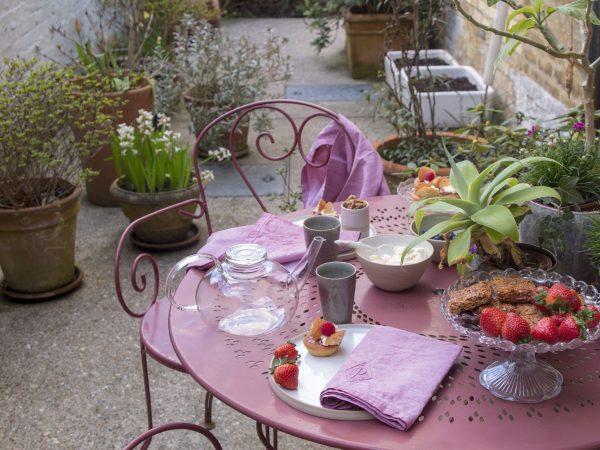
column 40, row 171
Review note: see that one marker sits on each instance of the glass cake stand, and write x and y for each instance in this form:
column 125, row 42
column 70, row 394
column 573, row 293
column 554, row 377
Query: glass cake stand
column 521, row 377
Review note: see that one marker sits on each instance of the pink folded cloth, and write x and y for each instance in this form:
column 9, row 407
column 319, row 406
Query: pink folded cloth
column 359, row 173
column 391, row 374
column 283, row 240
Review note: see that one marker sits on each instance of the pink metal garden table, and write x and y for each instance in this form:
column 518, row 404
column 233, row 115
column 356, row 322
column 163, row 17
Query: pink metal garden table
column 462, row 414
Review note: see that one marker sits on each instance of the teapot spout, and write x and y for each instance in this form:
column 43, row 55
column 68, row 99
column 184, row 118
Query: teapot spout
column 305, row 264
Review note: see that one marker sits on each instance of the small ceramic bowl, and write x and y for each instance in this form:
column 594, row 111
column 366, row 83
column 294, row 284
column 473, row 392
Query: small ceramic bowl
column 390, row 277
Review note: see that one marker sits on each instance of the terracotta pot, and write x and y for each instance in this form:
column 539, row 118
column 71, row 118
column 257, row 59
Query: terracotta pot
column 98, row 187
column 240, row 138
column 366, row 41
column 37, row 245
column 167, row 228
column 572, row 260
column 390, row 168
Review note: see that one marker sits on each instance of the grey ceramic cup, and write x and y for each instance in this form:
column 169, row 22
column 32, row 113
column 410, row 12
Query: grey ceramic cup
column 336, row 282
column 327, row 227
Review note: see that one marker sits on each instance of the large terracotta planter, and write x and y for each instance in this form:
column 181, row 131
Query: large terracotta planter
column 366, row 41
column 167, row 228
column 572, row 260
column 37, row 245
column 240, row 138
column 391, row 168
column 98, row 187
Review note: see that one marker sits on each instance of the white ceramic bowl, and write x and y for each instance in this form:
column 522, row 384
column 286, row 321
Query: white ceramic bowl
column 388, row 277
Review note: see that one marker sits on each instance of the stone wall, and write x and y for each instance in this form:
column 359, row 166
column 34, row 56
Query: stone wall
column 530, row 80
column 25, row 25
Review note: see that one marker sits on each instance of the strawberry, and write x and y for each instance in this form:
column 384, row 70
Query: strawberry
column 558, row 318
column 327, row 328
column 539, row 298
column 575, row 301
column 429, row 176
column 287, row 352
column 559, row 298
column 545, row 330
column 515, row 328
column 286, row 375
column 569, row 329
column 491, row 320
column 590, row 315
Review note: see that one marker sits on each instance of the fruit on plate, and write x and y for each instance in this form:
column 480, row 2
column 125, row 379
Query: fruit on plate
column 515, row 328
column 569, row 329
column 287, row 351
column 286, row 375
column 491, row 321
column 323, row 339
column 558, row 298
column 590, row 315
column 428, row 184
column 545, row 330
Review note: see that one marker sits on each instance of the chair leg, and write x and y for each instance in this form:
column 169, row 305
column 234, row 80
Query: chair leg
column 147, row 393
column 265, row 436
column 208, row 404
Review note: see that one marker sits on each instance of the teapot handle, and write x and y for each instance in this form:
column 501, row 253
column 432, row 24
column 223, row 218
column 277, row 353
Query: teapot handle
column 183, row 265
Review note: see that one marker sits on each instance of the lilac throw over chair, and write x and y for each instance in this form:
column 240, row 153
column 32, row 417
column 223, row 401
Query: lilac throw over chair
column 154, row 330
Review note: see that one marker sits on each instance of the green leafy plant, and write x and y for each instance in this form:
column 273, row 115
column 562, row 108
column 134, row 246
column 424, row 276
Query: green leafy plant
column 120, row 29
column 149, row 158
column 593, row 240
column 220, row 73
column 50, row 120
column 576, row 177
column 523, row 20
column 485, row 216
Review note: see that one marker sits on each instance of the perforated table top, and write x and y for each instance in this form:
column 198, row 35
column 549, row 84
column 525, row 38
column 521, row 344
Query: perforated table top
column 462, row 414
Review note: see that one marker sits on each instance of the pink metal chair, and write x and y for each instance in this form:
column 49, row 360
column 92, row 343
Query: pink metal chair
column 297, row 126
column 174, row 426
column 154, row 329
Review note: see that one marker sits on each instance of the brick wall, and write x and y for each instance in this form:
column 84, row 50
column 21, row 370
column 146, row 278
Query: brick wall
column 25, row 24
column 529, row 81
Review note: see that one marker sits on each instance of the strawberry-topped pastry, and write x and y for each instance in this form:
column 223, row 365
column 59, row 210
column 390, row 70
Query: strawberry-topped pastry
column 323, row 339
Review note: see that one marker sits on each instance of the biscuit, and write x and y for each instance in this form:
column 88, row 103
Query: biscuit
column 470, row 297
column 512, row 289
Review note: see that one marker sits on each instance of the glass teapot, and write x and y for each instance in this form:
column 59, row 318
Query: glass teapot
column 246, row 294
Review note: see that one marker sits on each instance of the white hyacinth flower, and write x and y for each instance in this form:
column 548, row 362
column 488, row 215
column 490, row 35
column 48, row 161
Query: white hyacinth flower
column 144, row 122
column 126, row 136
column 207, row 176
column 164, row 121
column 221, row 154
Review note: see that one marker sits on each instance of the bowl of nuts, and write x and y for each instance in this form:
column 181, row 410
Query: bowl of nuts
column 355, row 215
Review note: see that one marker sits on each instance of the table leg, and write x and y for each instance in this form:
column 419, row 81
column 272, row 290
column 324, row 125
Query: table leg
column 267, row 435
column 147, row 392
column 208, row 402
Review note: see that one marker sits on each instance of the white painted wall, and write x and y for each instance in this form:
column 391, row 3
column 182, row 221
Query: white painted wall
column 25, row 24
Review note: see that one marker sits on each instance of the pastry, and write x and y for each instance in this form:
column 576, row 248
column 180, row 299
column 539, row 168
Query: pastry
column 470, row 297
column 323, row 339
column 324, row 208
column 512, row 289
column 428, row 184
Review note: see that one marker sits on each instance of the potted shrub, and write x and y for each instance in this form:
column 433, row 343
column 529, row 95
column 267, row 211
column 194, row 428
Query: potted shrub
column 40, row 173
column 485, row 216
column 154, row 171
column 104, row 59
column 372, row 26
column 561, row 227
column 219, row 73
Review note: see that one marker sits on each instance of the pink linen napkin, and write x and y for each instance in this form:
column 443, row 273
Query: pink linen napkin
column 346, row 173
column 391, row 374
column 283, row 240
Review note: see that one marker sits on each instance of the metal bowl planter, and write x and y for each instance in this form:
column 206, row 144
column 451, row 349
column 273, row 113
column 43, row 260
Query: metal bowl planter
column 572, row 258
